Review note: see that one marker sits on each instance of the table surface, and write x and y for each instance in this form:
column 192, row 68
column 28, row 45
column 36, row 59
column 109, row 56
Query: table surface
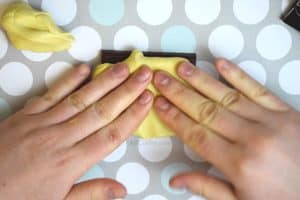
column 249, row 32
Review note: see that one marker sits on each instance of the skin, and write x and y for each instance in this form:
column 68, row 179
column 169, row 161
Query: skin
column 247, row 133
column 48, row 145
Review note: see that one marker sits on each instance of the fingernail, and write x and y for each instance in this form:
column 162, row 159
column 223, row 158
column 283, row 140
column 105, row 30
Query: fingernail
column 120, row 70
column 162, row 79
column 186, row 69
column 143, row 74
column 162, row 104
column 145, row 98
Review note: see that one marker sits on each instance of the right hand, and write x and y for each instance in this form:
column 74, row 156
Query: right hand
column 247, row 132
column 56, row 138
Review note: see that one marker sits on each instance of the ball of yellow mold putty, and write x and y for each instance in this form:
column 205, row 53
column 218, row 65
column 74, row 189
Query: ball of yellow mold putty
column 152, row 126
column 30, row 29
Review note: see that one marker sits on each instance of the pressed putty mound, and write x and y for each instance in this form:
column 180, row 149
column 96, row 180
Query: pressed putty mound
column 152, row 126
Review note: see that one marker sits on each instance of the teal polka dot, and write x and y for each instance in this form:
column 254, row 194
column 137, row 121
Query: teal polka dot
column 106, row 12
column 5, row 110
column 171, row 171
column 178, row 39
column 94, row 173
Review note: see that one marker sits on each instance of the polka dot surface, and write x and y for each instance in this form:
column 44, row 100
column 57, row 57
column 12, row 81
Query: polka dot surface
column 62, row 12
column 117, row 154
column 274, row 42
column 93, row 173
column 147, row 8
column 36, row 57
column 169, row 172
column 155, row 197
column 155, row 150
column 251, row 11
column 248, row 32
column 226, row 41
column 196, row 198
column 131, row 37
column 16, row 79
column 208, row 68
column 55, row 71
column 289, row 77
column 255, row 70
column 134, row 176
column 4, row 44
column 178, row 39
column 106, row 12
column 5, row 109
column 87, row 43
column 202, row 12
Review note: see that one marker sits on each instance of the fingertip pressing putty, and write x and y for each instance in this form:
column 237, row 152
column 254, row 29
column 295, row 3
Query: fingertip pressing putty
column 152, row 126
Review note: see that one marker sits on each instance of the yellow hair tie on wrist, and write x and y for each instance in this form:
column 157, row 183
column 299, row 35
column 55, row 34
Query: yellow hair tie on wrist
column 152, row 126
column 29, row 29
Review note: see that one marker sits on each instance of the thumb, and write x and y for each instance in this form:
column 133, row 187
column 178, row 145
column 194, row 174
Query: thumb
column 204, row 185
column 102, row 189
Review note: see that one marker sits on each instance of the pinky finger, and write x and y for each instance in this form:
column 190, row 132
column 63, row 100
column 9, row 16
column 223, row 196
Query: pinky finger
column 204, row 185
column 58, row 91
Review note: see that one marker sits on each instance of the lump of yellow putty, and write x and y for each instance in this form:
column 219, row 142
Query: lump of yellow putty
column 152, row 126
column 30, row 29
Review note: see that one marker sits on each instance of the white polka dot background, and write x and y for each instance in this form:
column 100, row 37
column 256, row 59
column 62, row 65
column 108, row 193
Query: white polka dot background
column 147, row 8
column 226, row 41
column 274, row 42
column 87, row 43
column 247, row 32
column 251, row 11
column 134, row 176
column 63, row 12
column 56, row 71
column 15, row 78
column 130, row 37
column 201, row 11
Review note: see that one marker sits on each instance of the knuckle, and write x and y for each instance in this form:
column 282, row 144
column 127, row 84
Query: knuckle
column 178, row 90
column 230, row 99
column 197, row 137
column 114, row 135
column 76, row 101
column 239, row 74
column 207, row 112
column 260, row 91
column 173, row 115
column 47, row 98
column 102, row 112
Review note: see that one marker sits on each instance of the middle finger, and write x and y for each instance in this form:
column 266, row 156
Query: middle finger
column 201, row 109
column 107, row 109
